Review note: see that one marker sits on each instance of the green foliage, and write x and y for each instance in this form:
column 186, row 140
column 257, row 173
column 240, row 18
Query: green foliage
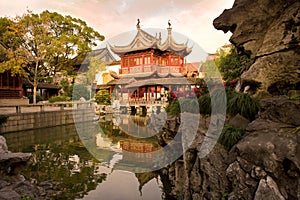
column 64, row 84
column 189, row 105
column 233, row 102
column 294, row 97
column 210, row 69
column 230, row 63
column 38, row 98
column 177, row 106
column 26, row 197
column 80, row 90
column 58, row 99
column 205, row 104
column 230, row 136
column 95, row 66
column 173, row 108
column 219, row 100
column 41, row 44
column 225, row 196
column 3, row 119
column 102, row 97
column 243, row 104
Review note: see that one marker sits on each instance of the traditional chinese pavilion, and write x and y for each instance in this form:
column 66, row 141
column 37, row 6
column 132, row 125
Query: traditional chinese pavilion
column 150, row 67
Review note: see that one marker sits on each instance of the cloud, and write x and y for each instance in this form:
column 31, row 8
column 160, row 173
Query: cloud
column 192, row 18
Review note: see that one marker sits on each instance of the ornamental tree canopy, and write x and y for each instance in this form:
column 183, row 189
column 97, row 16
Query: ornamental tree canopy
column 39, row 45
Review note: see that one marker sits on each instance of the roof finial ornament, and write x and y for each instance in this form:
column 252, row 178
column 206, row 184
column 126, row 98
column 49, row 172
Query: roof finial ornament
column 169, row 23
column 138, row 24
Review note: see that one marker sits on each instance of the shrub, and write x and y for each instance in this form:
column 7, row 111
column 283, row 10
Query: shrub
column 3, row 119
column 189, row 105
column 80, row 90
column 38, row 98
column 205, row 104
column 102, row 97
column 58, row 99
column 219, row 102
column 230, row 136
column 173, row 108
column 243, row 104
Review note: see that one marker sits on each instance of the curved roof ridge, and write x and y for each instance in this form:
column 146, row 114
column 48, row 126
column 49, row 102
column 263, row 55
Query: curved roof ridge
column 144, row 40
column 171, row 45
column 141, row 41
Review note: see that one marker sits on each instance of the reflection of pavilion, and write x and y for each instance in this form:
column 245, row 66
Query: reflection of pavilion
column 134, row 150
column 150, row 70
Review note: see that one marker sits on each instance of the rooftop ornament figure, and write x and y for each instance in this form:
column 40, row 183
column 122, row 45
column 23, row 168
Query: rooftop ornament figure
column 138, row 23
column 169, row 23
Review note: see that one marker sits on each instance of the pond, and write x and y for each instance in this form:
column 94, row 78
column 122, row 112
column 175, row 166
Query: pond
column 60, row 156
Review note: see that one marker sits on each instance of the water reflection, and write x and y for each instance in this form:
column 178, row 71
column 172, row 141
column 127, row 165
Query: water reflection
column 59, row 156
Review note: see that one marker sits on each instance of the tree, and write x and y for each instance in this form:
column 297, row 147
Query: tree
column 102, row 97
column 210, row 70
column 42, row 44
column 230, row 63
column 94, row 68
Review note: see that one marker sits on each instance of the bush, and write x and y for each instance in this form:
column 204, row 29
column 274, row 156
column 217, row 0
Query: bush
column 102, row 97
column 80, row 90
column 58, row 99
column 219, row 97
column 230, row 136
column 189, row 105
column 205, row 104
column 243, row 104
column 38, row 98
column 173, row 108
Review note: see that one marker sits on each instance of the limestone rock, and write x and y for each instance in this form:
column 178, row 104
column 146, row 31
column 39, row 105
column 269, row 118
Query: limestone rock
column 281, row 109
column 3, row 145
column 239, row 122
column 267, row 189
column 9, row 194
column 269, row 32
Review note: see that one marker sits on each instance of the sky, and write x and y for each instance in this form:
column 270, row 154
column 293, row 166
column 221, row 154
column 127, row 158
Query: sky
column 191, row 18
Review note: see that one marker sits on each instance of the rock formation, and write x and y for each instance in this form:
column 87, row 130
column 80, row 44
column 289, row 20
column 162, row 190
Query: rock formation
column 268, row 32
column 13, row 185
column 265, row 164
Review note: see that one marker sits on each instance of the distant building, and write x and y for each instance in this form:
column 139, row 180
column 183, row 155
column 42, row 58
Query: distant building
column 16, row 88
column 82, row 62
column 10, row 86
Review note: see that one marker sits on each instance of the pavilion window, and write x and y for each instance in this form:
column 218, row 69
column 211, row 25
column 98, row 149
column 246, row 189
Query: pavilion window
column 131, row 62
column 126, row 62
column 147, row 60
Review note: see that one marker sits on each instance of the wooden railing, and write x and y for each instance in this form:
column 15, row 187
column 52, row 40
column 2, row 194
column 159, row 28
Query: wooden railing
column 151, row 68
column 147, row 102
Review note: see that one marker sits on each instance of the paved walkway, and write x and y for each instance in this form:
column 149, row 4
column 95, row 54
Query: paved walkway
column 12, row 110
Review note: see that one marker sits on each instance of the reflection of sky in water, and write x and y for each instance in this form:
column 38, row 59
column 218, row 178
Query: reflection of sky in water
column 124, row 185
column 51, row 149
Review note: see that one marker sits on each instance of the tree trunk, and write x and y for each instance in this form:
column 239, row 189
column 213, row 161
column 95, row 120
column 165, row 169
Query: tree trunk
column 35, row 82
column 34, row 91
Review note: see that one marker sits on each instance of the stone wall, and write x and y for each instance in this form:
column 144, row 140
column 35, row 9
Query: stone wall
column 27, row 121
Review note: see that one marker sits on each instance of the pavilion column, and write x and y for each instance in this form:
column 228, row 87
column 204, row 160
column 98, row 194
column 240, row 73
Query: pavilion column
column 110, row 91
column 147, row 96
column 155, row 94
column 121, row 91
